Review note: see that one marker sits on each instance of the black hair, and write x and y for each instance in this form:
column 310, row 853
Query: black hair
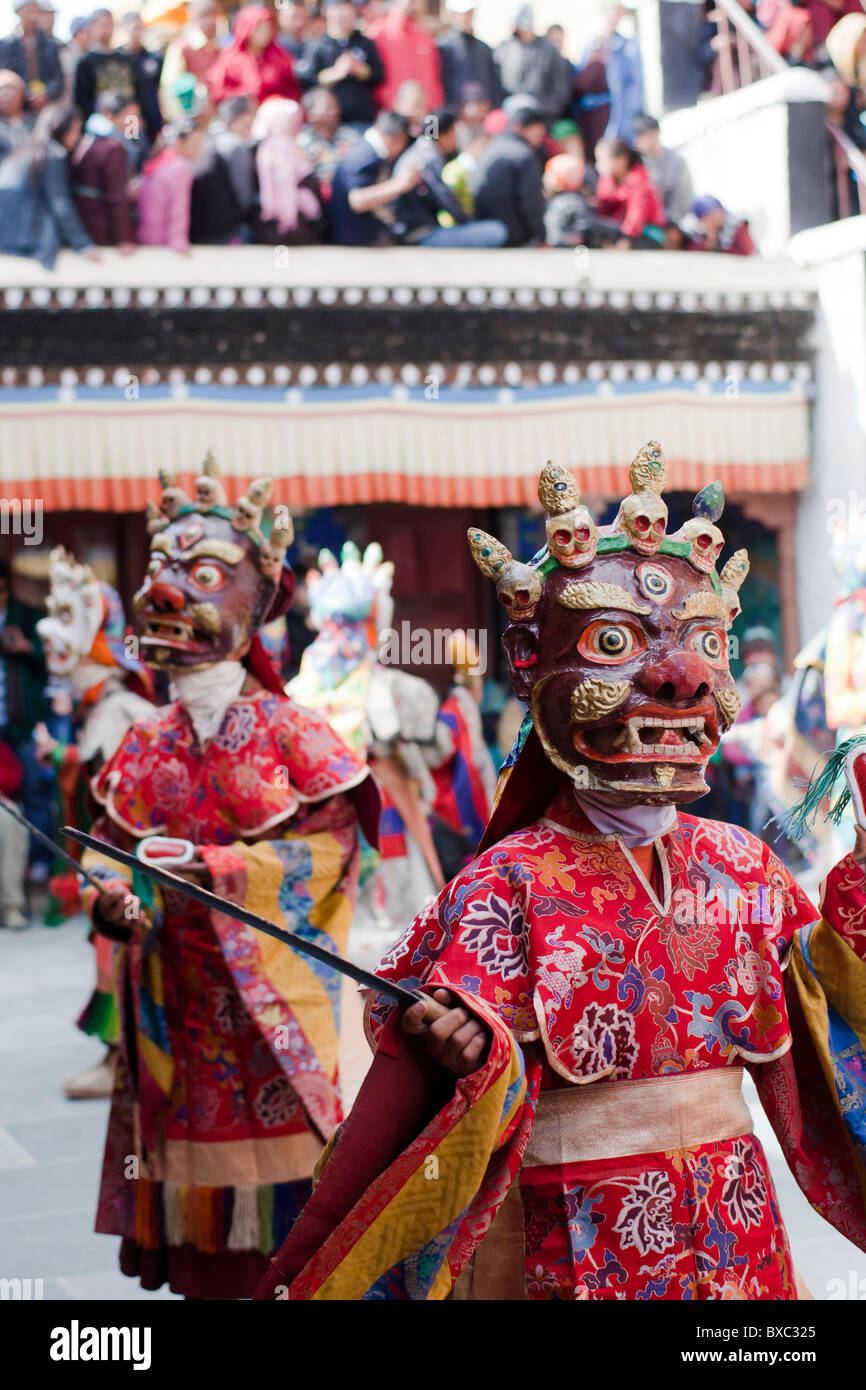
column 112, row 103
column 392, row 123
column 233, row 107
column 445, row 118
column 526, row 116
column 621, row 147
column 52, row 126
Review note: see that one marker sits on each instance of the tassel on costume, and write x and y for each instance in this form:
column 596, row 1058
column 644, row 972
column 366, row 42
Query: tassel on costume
column 819, row 788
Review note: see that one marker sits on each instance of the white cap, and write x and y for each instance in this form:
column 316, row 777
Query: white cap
column 461, row 6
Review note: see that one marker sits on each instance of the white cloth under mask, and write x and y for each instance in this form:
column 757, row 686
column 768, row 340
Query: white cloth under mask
column 207, row 694
column 636, row 825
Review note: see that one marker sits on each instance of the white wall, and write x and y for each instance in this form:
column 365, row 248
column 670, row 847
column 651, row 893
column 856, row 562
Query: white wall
column 736, row 147
column 837, row 256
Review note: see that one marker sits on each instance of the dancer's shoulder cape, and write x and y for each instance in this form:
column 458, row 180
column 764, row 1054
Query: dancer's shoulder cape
column 406, row 1236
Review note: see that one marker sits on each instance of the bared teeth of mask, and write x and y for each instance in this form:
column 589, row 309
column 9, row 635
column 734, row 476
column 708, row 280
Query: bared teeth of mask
column 633, row 738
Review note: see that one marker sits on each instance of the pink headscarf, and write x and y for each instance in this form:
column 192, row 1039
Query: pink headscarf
column 280, row 167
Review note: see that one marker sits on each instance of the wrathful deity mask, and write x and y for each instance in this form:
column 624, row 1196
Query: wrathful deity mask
column 213, row 576
column 76, row 609
column 622, row 656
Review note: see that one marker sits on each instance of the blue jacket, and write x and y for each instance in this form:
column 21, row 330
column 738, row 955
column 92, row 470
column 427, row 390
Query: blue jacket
column 38, row 218
column 13, row 56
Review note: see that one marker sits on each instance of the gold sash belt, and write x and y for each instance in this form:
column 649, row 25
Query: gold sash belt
column 611, row 1119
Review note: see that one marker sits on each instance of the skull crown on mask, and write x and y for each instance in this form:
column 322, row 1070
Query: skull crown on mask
column 620, row 650
column 213, row 573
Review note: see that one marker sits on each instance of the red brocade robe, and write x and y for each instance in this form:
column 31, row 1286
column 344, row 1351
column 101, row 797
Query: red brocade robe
column 603, row 1150
column 227, row 1084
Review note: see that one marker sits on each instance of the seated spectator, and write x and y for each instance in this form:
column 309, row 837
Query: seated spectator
column 104, row 68
column 294, row 21
column 475, row 104
column 37, row 214
column 667, row 169
column 149, row 66
column 529, row 65
column 408, row 54
column 846, row 45
column 193, row 53
column 215, row 214
column 166, row 188
column 323, row 140
column 347, row 62
column 364, row 188
column 629, row 208
column 290, row 203
column 569, row 213
column 34, row 55
column 465, row 59
column 125, row 117
column 459, row 174
column 710, row 227
column 254, row 65
column 566, row 137
column 15, row 122
column 232, row 136
column 791, row 35
column 100, row 183
column 418, row 210
column 411, row 102
column 508, row 184
column 78, row 45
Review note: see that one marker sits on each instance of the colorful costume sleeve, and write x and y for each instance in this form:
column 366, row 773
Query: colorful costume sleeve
column 305, row 881
column 408, row 1234
column 815, row 1096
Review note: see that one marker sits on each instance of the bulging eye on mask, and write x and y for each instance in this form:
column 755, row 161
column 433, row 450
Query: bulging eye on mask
column 618, row 636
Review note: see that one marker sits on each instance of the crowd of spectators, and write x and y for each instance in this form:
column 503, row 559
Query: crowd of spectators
column 348, row 122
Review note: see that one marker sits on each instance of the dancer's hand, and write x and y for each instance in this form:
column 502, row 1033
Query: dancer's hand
column 458, row 1039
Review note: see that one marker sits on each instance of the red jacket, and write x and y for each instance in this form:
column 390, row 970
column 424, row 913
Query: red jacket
column 408, row 54
column 10, row 771
column 635, row 203
column 239, row 73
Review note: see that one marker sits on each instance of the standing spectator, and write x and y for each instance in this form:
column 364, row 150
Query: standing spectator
column 14, row 845
column 667, row 169
column 418, row 210
column 364, row 188
column 610, row 76
column 294, row 22
column 529, row 65
column 166, row 188
column 467, row 59
column 15, row 123
column 712, row 228
column 846, row 46
column 347, row 62
column 290, row 205
column 408, row 54
column 569, row 214
column 149, row 67
column 100, row 183
column 792, row 36
column 78, row 45
column 22, row 705
column 192, row 54
column 508, row 186
column 104, row 68
column 323, row 140
column 34, row 56
column 254, row 65
column 37, row 214
column 475, row 105
column 460, row 172
column 629, row 207
column 232, row 136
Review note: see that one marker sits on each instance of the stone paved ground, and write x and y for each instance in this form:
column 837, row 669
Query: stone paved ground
column 50, row 1148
